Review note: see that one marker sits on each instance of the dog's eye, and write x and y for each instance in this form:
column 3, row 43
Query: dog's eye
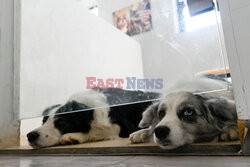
column 187, row 115
column 188, row 112
column 161, row 113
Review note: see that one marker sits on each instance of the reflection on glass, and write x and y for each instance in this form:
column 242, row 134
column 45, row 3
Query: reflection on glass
column 194, row 15
column 63, row 43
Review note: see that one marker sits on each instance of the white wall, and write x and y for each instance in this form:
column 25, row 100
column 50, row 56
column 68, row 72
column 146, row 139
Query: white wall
column 236, row 26
column 167, row 53
column 9, row 128
column 62, row 44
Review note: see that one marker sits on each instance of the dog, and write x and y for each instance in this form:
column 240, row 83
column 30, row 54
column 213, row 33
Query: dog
column 105, row 114
column 182, row 118
column 179, row 118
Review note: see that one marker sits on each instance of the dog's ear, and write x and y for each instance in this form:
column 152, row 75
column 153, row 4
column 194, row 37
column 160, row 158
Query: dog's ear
column 149, row 116
column 46, row 112
column 72, row 106
column 78, row 106
column 221, row 111
column 224, row 111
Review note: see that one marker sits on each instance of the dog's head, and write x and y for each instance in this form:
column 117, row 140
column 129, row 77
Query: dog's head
column 182, row 118
column 54, row 126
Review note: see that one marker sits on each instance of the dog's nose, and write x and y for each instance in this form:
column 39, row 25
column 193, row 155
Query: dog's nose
column 161, row 132
column 32, row 136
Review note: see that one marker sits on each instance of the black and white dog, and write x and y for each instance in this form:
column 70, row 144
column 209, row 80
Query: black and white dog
column 106, row 121
column 175, row 120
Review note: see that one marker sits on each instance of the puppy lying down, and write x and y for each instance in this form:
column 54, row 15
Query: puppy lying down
column 175, row 120
column 183, row 118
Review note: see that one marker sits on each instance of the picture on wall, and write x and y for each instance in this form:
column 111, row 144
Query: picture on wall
column 134, row 19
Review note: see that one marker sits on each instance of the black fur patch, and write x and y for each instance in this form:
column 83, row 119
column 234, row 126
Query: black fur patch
column 73, row 122
column 128, row 116
column 121, row 96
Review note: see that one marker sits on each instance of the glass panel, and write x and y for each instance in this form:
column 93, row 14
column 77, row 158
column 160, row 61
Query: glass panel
column 70, row 46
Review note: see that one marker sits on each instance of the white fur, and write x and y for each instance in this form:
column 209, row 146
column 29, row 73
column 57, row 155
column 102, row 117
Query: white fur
column 48, row 134
column 102, row 127
column 90, row 98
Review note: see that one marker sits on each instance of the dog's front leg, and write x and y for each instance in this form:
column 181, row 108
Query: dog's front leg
column 141, row 136
column 74, row 138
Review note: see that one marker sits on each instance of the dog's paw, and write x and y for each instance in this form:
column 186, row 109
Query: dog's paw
column 230, row 134
column 139, row 136
column 71, row 138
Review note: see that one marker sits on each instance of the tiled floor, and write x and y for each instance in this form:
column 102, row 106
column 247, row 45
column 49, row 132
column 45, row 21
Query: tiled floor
column 124, row 161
